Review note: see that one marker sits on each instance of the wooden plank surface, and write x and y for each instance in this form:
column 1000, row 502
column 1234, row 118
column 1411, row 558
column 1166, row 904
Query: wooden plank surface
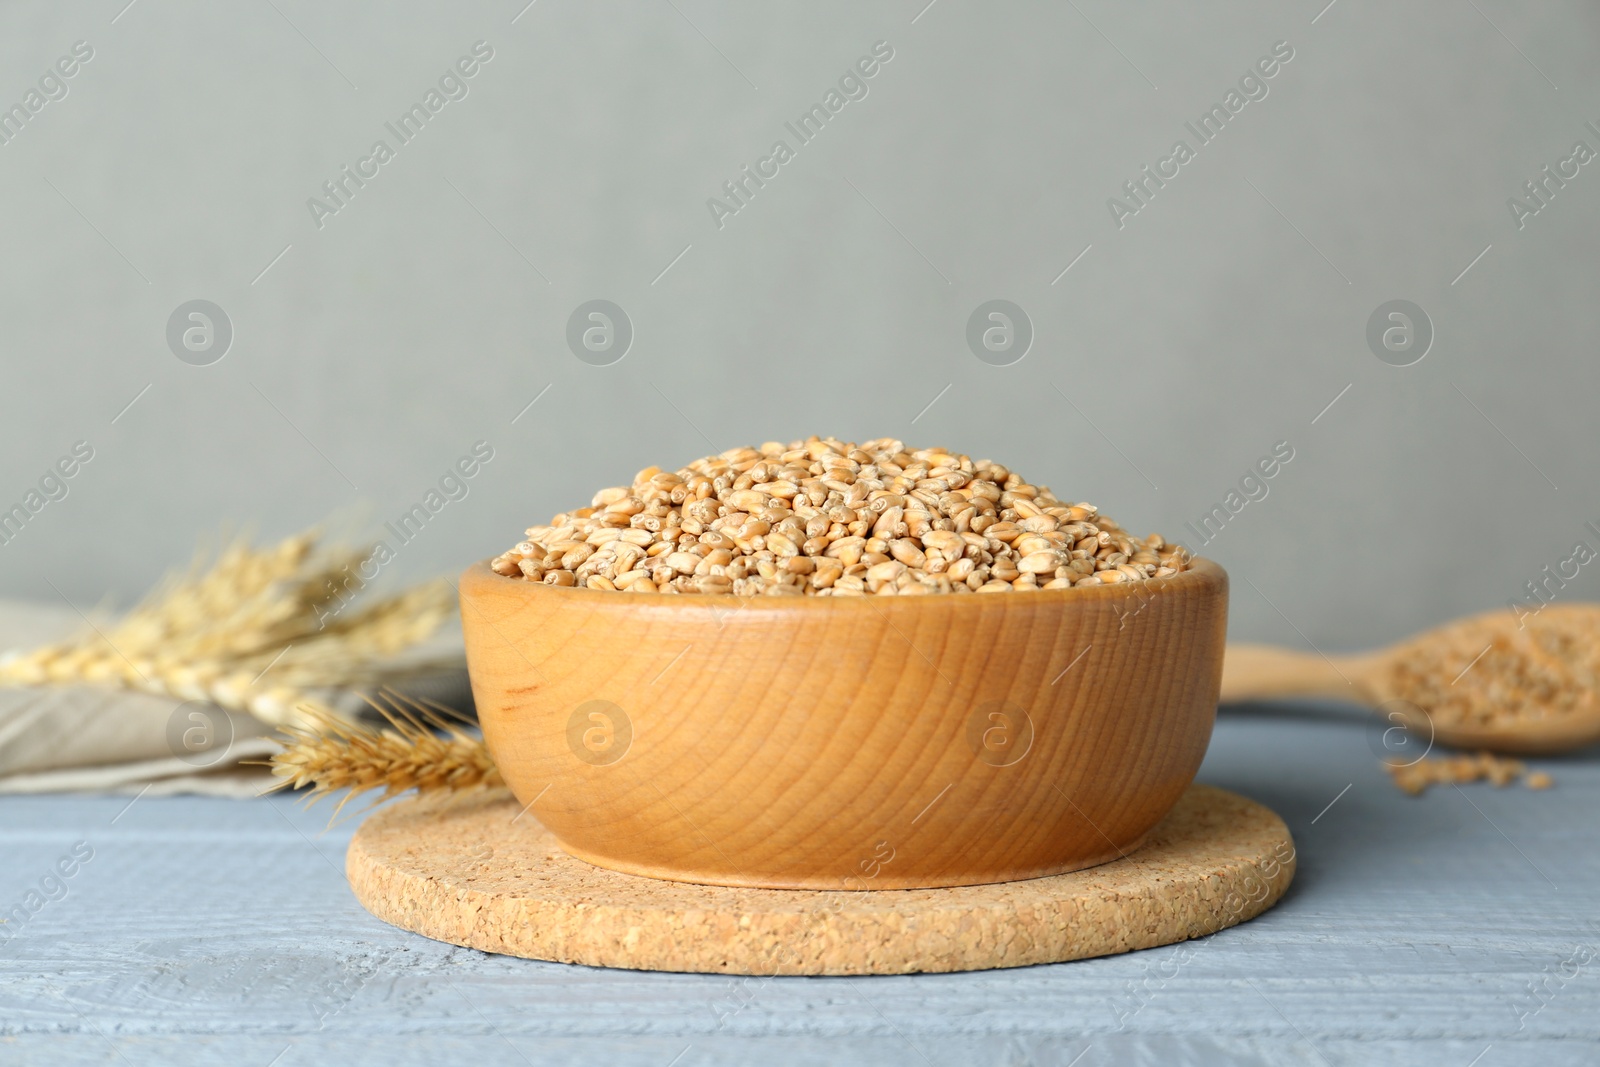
column 216, row 931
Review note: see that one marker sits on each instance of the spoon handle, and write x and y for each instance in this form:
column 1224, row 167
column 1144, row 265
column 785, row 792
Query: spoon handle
column 1258, row 672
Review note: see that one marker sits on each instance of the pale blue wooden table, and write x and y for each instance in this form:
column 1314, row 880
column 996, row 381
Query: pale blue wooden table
column 222, row 932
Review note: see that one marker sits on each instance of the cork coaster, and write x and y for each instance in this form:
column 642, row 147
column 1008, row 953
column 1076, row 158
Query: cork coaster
column 476, row 873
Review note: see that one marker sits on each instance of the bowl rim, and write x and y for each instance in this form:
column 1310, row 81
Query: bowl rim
column 1200, row 573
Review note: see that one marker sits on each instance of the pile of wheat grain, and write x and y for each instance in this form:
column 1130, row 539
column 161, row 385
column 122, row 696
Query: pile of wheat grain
column 1492, row 673
column 830, row 518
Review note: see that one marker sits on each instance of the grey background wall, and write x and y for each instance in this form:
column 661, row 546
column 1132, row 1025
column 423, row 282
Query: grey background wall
column 371, row 351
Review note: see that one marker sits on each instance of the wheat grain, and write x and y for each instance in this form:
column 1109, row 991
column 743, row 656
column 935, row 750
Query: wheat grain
column 736, row 523
column 1418, row 775
column 1498, row 672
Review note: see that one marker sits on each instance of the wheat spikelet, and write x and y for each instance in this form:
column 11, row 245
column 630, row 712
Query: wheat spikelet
column 214, row 632
column 422, row 751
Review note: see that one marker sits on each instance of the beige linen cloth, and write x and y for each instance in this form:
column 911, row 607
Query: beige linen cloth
column 87, row 738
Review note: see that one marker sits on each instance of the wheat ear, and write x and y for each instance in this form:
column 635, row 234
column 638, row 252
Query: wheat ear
column 216, row 632
column 423, row 750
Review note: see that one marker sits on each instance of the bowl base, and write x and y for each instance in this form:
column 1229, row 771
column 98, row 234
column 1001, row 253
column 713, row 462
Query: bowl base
column 882, row 880
column 475, row 873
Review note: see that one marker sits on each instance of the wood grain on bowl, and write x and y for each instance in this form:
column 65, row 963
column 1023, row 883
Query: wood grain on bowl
column 866, row 743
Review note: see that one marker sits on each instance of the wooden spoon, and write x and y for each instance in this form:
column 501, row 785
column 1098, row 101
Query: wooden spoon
column 1491, row 681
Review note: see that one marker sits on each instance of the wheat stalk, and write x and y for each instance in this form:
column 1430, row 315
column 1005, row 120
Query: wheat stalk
column 214, row 632
column 423, row 751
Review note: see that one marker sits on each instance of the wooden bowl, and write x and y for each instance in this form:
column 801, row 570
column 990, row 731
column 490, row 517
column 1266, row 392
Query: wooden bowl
column 850, row 743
